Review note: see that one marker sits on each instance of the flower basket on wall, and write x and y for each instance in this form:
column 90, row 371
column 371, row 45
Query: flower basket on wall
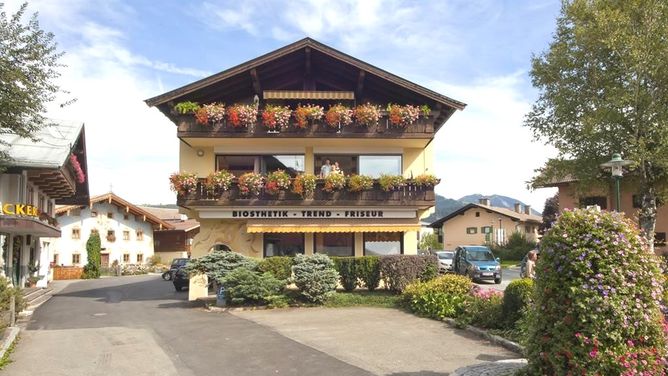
column 277, row 181
column 276, row 117
column 338, row 116
column 308, row 115
column 304, row 185
column 183, row 182
column 242, row 115
column 403, row 116
column 250, row 184
column 367, row 114
column 218, row 182
column 334, row 182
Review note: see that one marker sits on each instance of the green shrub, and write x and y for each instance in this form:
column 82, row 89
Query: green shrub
column 315, row 277
column 597, row 302
column 6, row 292
column 515, row 249
column 482, row 308
column 516, row 300
column 277, row 301
column 368, row 270
column 93, row 249
column 218, row 263
column 398, row 271
column 279, row 266
column 438, row 298
column 245, row 286
column 154, row 260
column 347, row 269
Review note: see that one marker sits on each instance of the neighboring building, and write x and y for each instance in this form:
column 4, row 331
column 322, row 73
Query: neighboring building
column 478, row 224
column 341, row 223
column 126, row 232
column 176, row 242
column 41, row 174
column 571, row 197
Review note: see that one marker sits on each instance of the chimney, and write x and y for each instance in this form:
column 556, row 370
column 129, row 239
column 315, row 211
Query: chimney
column 527, row 209
column 518, row 207
column 483, row 201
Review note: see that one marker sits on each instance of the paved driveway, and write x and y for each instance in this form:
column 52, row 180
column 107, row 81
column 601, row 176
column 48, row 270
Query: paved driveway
column 141, row 326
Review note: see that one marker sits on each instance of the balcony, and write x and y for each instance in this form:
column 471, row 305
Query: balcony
column 423, row 128
column 410, row 195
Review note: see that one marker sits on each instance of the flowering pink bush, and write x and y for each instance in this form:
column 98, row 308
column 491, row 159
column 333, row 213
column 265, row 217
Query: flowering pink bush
column 81, row 177
column 597, row 304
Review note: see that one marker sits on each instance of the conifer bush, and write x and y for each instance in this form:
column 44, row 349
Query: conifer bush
column 315, row 277
column 279, row 266
column 368, row 270
column 347, row 269
column 598, row 293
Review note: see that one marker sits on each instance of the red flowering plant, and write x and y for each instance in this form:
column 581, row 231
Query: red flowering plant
column 78, row 171
column 308, row 113
column 403, row 115
column 339, row 115
column 242, row 115
column 277, row 181
column 367, row 114
column 183, row 182
column 250, row 183
column 276, row 117
column 335, row 181
column 215, row 112
column 597, row 303
column 202, row 116
column 304, row 185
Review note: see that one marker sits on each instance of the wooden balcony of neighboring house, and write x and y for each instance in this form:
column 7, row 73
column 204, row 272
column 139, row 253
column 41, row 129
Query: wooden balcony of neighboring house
column 423, row 128
column 408, row 195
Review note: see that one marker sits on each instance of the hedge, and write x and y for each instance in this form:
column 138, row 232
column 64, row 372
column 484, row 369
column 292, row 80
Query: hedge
column 398, row 271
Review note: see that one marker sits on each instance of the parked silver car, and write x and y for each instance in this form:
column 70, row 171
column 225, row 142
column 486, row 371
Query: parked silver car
column 445, row 261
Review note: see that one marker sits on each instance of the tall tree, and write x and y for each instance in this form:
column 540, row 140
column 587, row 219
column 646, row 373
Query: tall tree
column 28, row 70
column 549, row 213
column 93, row 249
column 604, row 89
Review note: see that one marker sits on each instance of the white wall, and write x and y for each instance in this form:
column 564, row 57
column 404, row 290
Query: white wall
column 65, row 246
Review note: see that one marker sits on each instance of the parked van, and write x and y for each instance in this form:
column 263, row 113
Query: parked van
column 478, row 263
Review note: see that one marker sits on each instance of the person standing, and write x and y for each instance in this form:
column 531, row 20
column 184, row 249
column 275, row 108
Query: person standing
column 531, row 264
column 326, row 169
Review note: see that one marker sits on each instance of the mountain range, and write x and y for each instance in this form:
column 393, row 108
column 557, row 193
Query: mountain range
column 445, row 206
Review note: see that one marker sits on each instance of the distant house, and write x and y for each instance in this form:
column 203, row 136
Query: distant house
column 126, row 232
column 175, row 242
column 477, row 224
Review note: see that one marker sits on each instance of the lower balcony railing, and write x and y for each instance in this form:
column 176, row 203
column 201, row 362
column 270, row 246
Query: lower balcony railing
column 408, row 195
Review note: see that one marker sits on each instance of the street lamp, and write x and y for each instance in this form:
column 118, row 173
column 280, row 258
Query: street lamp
column 616, row 165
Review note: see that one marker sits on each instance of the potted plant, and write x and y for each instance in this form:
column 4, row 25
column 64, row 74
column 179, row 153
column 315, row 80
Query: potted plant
column 242, row 115
column 304, row 185
column 202, row 116
column 305, row 115
column 183, row 182
column 186, row 108
column 219, row 181
column 391, row 182
column 276, row 117
column 338, row 116
column 335, row 181
column 250, row 183
column 359, row 183
column 33, row 279
column 215, row 112
column 425, row 181
column 277, row 181
column 403, row 116
column 367, row 114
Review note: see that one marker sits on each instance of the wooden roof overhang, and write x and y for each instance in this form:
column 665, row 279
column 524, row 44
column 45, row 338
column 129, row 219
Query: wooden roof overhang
column 56, row 183
column 307, row 65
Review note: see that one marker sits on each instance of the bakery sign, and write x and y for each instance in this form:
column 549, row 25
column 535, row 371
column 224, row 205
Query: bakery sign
column 307, row 213
column 23, row 210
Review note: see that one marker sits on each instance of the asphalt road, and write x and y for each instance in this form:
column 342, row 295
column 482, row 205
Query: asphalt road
column 509, row 275
column 141, row 326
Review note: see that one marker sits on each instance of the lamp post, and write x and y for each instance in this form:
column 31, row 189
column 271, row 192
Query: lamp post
column 616, row 166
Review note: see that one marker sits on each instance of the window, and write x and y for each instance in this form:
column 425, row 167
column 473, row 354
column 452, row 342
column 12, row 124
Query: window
column 110, row 215
column 659, row 239
column 236, row 164
column 126, row 257
column 94, row 231
column 126, row 235
column 76, row 258
column 383, row 243
column 111, row 236
column 477, row 214
column 241, row 164
column 375, row 165
column 292, row 164
column 601, row 201
column 140, row 235
column 471, row 230
column 126, row 216
column 140, row 258
column 486, row 229
column 334, row 244
column 76, row 233
column 347, row 163
column 283, row 244
column 93, row 214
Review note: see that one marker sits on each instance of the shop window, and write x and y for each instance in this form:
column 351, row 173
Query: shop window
column 140, row 258
column 76, row 258
column 659, row 239
column 140, row 235
column 76, row 233
column 126, row 235
column 471, row 230
column 383, row 243
column 599, row 201
column 335, row 244
column 126, row 257
column 288, row 244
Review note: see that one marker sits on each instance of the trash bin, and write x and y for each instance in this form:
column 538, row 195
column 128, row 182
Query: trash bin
column 220, row 297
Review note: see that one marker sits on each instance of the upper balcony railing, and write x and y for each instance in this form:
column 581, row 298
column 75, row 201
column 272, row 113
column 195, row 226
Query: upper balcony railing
column 409, row 195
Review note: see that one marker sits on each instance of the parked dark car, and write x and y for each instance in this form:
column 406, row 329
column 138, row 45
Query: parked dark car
column 181, row 278
column 176, row 264
column 478, row 263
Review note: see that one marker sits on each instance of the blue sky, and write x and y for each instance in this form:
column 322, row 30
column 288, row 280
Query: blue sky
column 119, row 53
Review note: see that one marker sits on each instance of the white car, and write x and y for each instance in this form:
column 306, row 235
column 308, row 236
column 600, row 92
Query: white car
column 445, row 261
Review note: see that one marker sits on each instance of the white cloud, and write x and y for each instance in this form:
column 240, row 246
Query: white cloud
column 485, row 148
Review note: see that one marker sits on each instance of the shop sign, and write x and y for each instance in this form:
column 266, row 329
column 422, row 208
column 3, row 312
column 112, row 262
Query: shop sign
column 307, row 214
column 23, row 210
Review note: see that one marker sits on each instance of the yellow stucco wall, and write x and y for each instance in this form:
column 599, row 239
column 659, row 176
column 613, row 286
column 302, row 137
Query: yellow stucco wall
column 410, row 243
column 229, row 232
column 189, row 161
column 454, row 230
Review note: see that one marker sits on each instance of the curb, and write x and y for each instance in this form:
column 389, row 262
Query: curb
column 213, row 308
column 8, row 338
column 510, row 345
